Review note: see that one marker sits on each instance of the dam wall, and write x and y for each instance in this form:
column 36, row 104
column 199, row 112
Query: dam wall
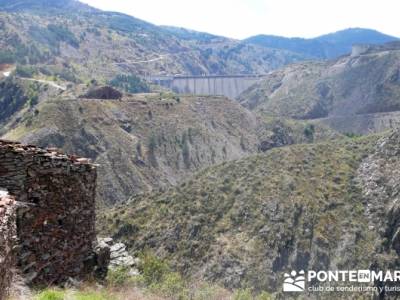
column 230, row 86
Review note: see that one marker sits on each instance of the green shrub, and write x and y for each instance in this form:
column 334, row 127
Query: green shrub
column 25, row 71
column 157, row 275
column 352, row 135
column 152, row 145
column 12, row 98
column 172, row 286
column 91, row 296
column 264, row 296
column 50, row 295
column 67, row 75
column 206, row 292
column 185, row 150
column 33, row 94
column 130, row 83
column 33, row 100
column 244, row 294
column 152, row 269
column 309, row 131
column 7, row 57
column 62, row 33
column 118, row 277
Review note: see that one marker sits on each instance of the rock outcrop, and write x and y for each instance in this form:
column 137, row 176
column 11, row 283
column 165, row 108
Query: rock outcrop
column 56, row 211
column 111, row 256
column 379, row 176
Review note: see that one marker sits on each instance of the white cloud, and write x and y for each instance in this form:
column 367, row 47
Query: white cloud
column 243, row 18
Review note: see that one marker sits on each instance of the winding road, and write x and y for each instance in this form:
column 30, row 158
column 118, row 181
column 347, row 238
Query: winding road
column 51, row 83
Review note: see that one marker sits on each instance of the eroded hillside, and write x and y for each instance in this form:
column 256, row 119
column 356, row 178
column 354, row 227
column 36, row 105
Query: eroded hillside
column 313, row 207
column 246, row 222
column 359, row 92
column 142, row 141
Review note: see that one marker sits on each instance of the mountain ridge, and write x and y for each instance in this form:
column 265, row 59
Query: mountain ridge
column 326, row 46
column 125, row 44
column 94, row 43
column 49, row 5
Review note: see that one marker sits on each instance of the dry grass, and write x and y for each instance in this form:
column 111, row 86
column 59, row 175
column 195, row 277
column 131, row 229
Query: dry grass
column 93, row 292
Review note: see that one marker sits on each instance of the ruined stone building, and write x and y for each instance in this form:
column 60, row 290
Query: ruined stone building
column 7, row 241
column 47, row 214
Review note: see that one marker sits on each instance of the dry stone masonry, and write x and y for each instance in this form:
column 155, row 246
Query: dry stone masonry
column 7, row 241
column 113, row 256
column 55, row 221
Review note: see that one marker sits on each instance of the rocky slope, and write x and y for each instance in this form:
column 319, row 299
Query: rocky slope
column 19, row 96
column 142, row 141
column 315, row 207
column 379, row 176
column 246, row 222
column 350, row 87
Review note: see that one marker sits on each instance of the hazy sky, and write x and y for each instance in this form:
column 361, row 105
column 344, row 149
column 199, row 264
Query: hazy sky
column 243, row 18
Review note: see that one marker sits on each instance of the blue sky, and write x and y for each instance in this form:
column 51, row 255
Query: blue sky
column 243, row 18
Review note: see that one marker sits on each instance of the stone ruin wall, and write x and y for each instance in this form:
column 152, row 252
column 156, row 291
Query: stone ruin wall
column 56, row 214
column 7, row 242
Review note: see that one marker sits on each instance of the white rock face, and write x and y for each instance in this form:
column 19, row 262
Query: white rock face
column 3, row 193
column 119, row 256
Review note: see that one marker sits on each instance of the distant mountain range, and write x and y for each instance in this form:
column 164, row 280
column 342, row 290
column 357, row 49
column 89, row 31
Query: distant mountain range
column 43, row 5
column 78, row 43
column 102, row 44
column 326, row 46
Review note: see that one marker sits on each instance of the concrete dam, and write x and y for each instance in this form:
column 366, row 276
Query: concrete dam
column 230, row 86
